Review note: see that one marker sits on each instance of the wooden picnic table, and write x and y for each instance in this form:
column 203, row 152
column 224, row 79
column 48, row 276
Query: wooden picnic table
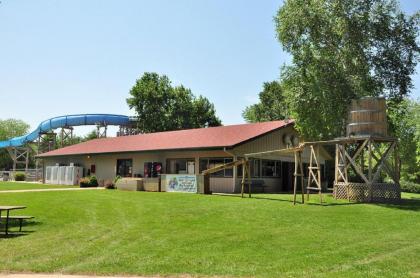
column 8, row 209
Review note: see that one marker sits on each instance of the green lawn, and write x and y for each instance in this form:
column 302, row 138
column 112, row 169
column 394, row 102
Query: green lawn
column 113, row 232
column 24, row 185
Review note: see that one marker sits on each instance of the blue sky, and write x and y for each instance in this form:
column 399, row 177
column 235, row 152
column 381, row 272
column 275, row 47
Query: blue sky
column 69, row 57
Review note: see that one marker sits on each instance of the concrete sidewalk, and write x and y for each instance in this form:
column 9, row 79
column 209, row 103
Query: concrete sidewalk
column 51, row 189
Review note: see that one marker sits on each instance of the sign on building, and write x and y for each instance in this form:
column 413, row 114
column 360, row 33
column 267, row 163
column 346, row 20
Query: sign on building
column 181, row 183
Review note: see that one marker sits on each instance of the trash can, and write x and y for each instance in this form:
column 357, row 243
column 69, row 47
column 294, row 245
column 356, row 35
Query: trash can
column 6, row 176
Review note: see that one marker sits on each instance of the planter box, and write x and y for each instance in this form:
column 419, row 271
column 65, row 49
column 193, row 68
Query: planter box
column 130, row 184
column 151, row 184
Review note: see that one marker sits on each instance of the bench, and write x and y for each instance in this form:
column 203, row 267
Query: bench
column 20, row 218
column 257, row 184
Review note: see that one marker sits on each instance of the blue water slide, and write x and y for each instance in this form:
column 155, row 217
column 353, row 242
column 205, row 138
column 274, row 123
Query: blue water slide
column 67, row 121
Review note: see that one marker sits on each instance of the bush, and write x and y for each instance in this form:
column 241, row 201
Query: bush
column 109, row 184
column 93, row 181
column 84, row 182
column 20, row 176
column 88, row 182
column 117, row 178
column 410, row 187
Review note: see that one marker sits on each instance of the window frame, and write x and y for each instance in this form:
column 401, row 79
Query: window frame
column 216, row 175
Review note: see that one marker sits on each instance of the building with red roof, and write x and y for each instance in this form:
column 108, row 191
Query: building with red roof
column 187, row 152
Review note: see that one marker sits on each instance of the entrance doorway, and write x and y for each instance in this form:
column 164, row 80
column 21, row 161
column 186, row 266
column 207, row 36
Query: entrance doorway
column 180, row 166
column 125, row 168
column 287, row 170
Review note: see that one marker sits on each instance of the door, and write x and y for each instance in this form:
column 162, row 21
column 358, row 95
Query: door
column 287, row 170
column 125, row 167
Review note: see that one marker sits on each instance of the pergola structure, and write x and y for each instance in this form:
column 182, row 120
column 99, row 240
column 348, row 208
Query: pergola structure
column 366, row 169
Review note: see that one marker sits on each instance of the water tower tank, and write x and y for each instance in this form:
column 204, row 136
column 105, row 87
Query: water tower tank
column 367, row 116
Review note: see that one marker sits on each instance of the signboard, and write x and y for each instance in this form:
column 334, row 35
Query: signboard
column 181, row 183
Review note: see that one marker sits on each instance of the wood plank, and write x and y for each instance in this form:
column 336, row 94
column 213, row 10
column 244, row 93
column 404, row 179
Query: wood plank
column 381, row 165
column 361, row 174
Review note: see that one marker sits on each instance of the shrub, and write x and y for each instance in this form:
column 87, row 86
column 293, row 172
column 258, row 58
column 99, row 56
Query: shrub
column 84, row 182
column 117, row 178
column 109, row 184
column 93, row 181
column 411, row 187
column 19, row 176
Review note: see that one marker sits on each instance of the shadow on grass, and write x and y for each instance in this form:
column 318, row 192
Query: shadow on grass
column 14, row 228
column 405, row 204
column 13, row 235
column 259, row 196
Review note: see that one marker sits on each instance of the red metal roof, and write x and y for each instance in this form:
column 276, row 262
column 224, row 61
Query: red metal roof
column 201, row 138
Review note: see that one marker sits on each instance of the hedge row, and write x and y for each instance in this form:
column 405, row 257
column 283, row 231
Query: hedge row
column 411, row 187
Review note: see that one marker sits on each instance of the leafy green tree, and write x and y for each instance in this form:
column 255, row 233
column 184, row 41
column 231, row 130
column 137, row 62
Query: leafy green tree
column 90, row 136
column 272, row 105
column 160, row 106
column 408, row 132
column 343, row 50
column 10, row 128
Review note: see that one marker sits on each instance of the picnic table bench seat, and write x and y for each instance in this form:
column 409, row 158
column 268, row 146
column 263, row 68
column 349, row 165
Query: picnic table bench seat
column 20, row 218
column 257, row 184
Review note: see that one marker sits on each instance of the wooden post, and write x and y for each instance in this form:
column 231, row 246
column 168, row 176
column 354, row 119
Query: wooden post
column 397, row 162
column 301, row 177
column 248, row 166
column 335, row 173
column 370, row 170
column 309, row 174
column 295, row 179
column 243, row 178
column 298, row 173
column 318, row 165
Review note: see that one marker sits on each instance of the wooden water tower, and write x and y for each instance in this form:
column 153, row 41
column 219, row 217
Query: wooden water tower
column 367, row 166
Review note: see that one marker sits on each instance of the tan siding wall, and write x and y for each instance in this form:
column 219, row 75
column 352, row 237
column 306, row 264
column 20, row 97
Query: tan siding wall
column 106, row 163
column 272, row 185
column 270, row 142
column 222, row 185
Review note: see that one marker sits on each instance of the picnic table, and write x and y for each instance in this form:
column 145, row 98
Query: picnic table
column 8, row 209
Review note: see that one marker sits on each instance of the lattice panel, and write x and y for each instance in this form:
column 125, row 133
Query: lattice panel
column 360, row 192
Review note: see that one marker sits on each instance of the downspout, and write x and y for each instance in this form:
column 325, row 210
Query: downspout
column 234, row 176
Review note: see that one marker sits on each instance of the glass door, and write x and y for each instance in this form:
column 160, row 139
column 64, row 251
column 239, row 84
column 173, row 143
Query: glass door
column 125, row 167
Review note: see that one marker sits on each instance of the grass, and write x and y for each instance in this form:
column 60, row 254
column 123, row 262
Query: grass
column 26, row 185
column 113, row 232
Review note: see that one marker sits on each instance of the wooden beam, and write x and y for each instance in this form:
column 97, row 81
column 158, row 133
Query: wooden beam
column 243, row 179
column 359, row 172
column 279, row 151
column 223, row 167
column 248, row 165
column 359, row 150
column 383, row 158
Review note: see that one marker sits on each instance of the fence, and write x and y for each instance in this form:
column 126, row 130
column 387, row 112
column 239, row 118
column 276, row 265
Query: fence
column 31, row 174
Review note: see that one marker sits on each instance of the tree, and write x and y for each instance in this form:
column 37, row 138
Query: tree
column 10, row 128
column 343, row 50
column 408, row 132
column 90, row 136
column 160, row 106
column 272, row 105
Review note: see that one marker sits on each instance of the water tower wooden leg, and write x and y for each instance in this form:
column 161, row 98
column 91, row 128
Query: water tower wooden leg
column 370, row 170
